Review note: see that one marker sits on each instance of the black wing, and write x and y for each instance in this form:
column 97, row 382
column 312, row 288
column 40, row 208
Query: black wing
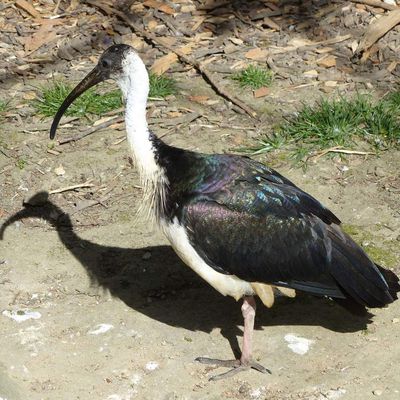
column 262, row 228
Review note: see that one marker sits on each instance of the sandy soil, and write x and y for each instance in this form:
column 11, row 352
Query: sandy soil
column 95, row 305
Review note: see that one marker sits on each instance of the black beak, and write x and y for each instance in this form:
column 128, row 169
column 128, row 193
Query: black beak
column 93, row 78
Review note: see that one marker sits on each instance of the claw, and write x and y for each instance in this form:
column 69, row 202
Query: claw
column 235, row 365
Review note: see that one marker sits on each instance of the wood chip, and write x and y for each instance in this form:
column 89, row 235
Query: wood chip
column 24, row 5
column 377, row 29
column 311, row 74
column 324, row 50
column 331, row 83
column 271, row 24
column 236, row 41
column 152, row 25
column 162, row 64
column 327, row 62
column 199, row 99
column 262, row 92
column 375, row 3
column 256, row 54
column 392, row 66
column 161, row 6
column 44, row 34
column 197, row 24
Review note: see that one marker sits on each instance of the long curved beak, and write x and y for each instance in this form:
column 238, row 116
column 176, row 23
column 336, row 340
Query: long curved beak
column 91, row 79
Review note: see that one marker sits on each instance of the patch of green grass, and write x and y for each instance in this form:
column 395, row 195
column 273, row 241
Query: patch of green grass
column 161, row 86
column 342, row 122
column 392, row 102
column 3, row 106
column 90, row 102
column 21, row 163
column 51, row 97
column 254, row 77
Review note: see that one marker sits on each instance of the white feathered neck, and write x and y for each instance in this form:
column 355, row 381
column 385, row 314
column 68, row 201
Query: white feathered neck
column 134, row 84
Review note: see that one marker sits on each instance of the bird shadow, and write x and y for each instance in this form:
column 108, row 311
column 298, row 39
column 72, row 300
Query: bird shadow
column 153, row 281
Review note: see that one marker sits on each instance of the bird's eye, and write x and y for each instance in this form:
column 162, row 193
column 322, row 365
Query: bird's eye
column 105, row 64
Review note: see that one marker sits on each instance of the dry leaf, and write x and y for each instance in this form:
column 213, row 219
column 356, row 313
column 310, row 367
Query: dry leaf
column 199, row 99
column 256, row 54
column 262, row 92
column 162, row 64
column 28, row 8
column 327, row 62
column 159, row 6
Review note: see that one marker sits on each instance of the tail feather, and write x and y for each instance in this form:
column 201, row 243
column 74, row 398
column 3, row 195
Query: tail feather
column 360, row 279
column 391, row 279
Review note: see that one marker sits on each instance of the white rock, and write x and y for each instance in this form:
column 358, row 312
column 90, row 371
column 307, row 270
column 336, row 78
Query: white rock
column 298, row 344
column 101, row 328
column 21, row 315
column 152, row 365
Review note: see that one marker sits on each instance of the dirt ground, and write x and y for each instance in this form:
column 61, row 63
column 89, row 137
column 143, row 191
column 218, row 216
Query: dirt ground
column 95, row 305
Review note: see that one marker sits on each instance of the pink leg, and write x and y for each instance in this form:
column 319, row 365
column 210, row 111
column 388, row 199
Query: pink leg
column 245, row 362
column 248, row 312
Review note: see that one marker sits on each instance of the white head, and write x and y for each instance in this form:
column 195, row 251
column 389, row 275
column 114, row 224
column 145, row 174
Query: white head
column 119, row 62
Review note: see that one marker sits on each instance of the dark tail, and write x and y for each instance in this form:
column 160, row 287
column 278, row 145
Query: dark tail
column 361, row 280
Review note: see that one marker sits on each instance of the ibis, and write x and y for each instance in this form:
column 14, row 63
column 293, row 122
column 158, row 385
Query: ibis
column 243, row 227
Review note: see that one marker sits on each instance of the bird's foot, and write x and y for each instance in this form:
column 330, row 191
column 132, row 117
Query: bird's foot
column 236, row 365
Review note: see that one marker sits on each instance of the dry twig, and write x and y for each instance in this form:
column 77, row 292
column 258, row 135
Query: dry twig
column 377, row 29
column 73, row 187
column 93, row 129
column 338, row 149
column 376, row 3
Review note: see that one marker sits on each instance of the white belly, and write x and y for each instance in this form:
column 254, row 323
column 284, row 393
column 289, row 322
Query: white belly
column 225, row 284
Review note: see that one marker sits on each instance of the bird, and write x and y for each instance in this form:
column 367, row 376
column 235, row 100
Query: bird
column 240, row 225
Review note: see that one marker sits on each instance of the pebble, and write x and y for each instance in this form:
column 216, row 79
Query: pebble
column 377, row 392
column 146, row 256
column 395, row 320
column 152, row 365
column 101, row 328
column 22, row 315
column 298, row 345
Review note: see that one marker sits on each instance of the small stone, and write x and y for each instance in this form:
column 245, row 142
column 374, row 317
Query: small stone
column 377, row 392
column 395, row 320
column 311, row 74
column 146, row 256
column 236, row 40
column 152, row 365
column 59, row 171
column 330, row 83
